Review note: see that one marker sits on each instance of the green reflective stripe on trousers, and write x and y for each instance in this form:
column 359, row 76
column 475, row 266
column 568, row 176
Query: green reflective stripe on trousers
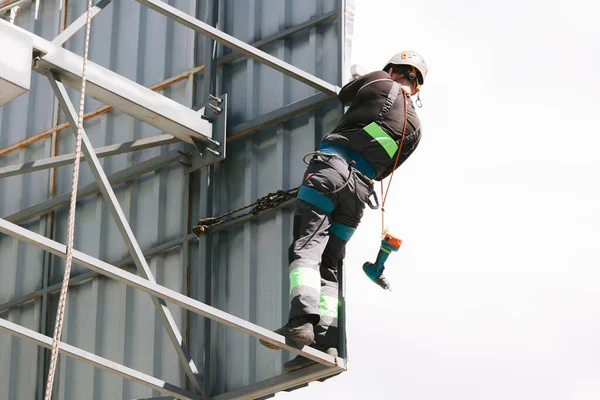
column 329, row 306
column 305, row 276
column 388, row 144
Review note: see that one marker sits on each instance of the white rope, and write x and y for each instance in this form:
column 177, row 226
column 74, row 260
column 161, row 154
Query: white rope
column 60, row 314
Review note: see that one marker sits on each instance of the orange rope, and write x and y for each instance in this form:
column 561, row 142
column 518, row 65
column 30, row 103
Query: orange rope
column 395, row 165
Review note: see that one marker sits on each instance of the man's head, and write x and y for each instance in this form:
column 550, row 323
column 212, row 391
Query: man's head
column 409, row 69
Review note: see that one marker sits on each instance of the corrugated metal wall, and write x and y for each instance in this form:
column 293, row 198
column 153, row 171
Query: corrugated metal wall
column 241, row 270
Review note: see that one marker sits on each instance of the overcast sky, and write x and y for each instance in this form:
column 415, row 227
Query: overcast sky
column 496, row 289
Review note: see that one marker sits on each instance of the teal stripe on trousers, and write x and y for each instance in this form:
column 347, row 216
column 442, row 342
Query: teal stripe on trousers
column 316, row 198
column 342, row 231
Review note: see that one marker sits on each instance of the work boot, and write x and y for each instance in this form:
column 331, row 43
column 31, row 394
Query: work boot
column 303, row 362
column 299, row 330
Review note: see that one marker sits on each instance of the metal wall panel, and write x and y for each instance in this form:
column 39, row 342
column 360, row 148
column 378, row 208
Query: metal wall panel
column 241, row 270
column 103, row 316
column 250, row 277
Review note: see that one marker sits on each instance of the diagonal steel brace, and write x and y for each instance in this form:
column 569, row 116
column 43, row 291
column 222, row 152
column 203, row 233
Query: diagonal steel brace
column 134, row 249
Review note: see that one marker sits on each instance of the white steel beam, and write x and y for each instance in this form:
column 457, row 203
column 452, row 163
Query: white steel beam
column 97, row 361
column 79, row 22
column 279, row 383
column 91, row 189
column 195, row 306
column 119, row 92
column 123, row 225
column 240, row 46
column 106, row 151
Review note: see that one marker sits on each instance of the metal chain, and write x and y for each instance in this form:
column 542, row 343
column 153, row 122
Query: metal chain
column 60, row 313
column 271, row 200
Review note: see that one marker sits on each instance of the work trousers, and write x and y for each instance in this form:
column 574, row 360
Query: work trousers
column 330, row 205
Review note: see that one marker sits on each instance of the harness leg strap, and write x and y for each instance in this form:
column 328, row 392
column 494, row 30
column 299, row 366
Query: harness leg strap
column 316, row 198
column 342, row 231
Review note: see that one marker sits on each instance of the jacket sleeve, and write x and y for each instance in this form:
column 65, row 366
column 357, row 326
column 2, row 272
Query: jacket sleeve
column 348, row 92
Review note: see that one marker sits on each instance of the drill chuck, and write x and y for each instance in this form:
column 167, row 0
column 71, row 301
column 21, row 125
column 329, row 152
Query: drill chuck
column 374, row 271
column 376, row 275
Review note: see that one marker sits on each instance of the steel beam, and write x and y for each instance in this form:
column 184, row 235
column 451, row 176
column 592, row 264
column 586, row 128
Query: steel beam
column 178, row 78
column 96, row 361
column 79, row 23
column 167, row 294
column 280, row 35
column 171, row 244
column 92, row 188
column 106, row 151
column 240, row 46
column 279, row 383
column 8, row 4
column 279, row 115
column 135, row 251
column 87, row 276
column 119, row 92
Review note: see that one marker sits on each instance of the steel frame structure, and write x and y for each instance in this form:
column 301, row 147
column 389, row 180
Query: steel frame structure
column 181, row 124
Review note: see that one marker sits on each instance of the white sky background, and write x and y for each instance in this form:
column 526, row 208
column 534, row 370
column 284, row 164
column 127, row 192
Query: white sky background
column 496, row 288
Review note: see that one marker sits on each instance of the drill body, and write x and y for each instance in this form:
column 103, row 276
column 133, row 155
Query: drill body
column 375, row 270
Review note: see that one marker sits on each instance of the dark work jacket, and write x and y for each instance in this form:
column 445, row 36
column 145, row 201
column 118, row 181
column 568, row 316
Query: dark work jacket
column 366, row 95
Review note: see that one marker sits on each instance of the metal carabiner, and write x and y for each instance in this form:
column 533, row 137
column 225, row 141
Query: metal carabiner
column 369, row 203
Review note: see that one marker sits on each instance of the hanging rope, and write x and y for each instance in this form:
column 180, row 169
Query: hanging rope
column 383, row 229
column 60, row 313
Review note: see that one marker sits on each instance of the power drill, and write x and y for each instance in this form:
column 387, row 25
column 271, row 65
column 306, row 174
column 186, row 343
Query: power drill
column 375, row 271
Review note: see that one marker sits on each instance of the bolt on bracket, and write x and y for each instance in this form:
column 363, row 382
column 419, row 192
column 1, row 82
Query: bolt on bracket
column 203, row 153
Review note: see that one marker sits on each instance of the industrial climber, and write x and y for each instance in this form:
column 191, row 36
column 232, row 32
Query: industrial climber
column 379, row 131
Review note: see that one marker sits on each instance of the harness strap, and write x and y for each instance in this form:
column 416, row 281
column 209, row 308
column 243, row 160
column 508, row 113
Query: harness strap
column 316, row 198
column 389, row 102
column 374, row 128
column 342, row 231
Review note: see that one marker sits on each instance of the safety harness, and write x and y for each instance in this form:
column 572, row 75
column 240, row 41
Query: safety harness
column 312, row 196
column 355, row 162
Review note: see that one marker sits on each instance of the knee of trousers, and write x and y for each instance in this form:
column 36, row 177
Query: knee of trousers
column 329, row 303
column 305, row 288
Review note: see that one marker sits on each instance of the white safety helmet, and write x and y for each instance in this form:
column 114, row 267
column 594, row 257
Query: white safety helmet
column 412, row 58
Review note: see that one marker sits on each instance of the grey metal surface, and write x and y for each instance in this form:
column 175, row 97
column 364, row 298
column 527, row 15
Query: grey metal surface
column 80, row 22
column 239, row 45
column 241, row 270
column 249, row 268
column 76, row 353
column 15, row 74
column 103, row 317
column 135, row 251
column 119, row 92
column 164, row 293
column 105, row 151
column 92, row 188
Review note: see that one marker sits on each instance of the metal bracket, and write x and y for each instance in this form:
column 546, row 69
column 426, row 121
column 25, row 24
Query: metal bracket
column 204, row 154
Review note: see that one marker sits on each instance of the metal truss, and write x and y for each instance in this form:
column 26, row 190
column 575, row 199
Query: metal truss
column 96, row 361
column 334, row 364
column 206, row 133
column 199, row 69
column 236, row 44
column 132, row 245
column 106, row 151
column 79, row 23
